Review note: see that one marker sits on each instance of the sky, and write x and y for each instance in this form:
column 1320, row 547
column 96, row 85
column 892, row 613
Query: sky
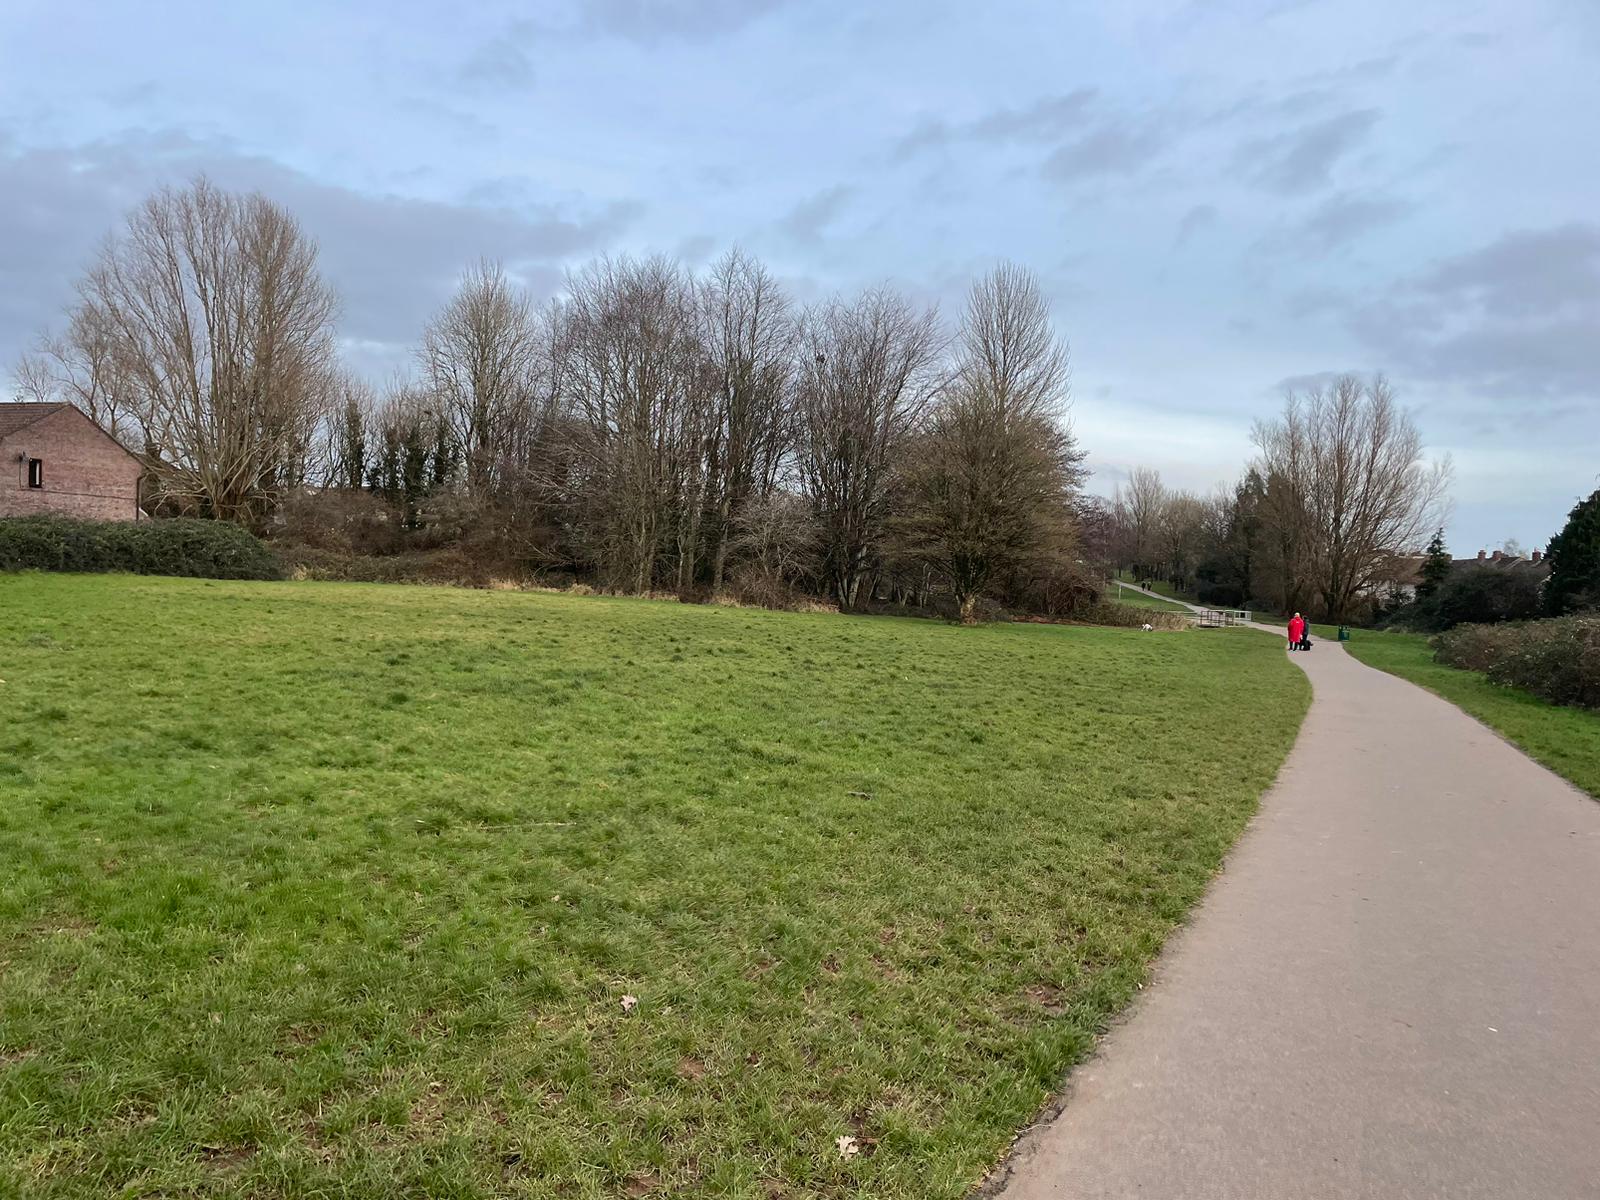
column 1222, row 198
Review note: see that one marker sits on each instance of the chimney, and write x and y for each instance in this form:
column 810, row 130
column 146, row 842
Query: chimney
column 1497, row 555
column 1536, row 556
column 1482, row 555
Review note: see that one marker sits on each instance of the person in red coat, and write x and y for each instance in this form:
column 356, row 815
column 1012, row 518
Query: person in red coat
column 1297, row 631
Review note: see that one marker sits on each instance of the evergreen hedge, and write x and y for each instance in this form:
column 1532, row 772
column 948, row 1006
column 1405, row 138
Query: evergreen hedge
column 174, row 546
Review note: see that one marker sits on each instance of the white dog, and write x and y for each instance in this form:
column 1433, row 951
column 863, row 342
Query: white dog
column 1147, row 627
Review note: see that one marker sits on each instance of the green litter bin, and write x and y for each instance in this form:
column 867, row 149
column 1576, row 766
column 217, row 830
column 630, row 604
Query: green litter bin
column 1344, row 633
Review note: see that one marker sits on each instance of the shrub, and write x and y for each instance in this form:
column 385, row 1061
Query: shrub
column 1127, row 616
column 1558, row 659
column 1575, row 560
column 1474, row 595
column 340, row 520
column 180, row 546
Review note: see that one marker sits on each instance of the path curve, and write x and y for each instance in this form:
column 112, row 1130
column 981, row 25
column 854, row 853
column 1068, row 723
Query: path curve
column 1391, row 992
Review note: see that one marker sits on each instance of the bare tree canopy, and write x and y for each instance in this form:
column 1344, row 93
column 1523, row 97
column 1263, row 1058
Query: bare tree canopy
column 990, row 483
column 479, row 359
column 208, row 323
column 749, row 331
column 1347, row 486
column 868, row 369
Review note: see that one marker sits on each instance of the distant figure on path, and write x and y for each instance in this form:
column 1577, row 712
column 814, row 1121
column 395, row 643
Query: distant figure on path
column 1297, row 631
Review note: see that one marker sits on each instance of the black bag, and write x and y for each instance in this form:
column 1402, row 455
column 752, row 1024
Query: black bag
column 1305, row 643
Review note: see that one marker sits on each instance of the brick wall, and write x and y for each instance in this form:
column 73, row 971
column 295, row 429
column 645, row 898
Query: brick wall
column 85, row 473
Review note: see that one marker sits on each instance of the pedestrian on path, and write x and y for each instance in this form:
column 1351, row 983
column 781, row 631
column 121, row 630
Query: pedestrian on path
column 1297, row 631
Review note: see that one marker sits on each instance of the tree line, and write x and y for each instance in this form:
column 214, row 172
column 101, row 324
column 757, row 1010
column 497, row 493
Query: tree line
column 650, row 428
column 1325, row 519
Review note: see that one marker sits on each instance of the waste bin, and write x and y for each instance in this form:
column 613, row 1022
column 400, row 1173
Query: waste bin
column 1344, row 633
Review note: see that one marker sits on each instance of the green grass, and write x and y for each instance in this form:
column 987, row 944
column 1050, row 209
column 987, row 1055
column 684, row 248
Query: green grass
column 1567, row 740
column 337, row 890
column 1139, row 600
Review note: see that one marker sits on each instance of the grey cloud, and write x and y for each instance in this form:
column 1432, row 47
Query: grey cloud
column 696, row 249
column 1526, row 273
column 392, row 259
column 1513, row 320
column 1200, row 217
column 1045, row 119
column 1314, row 380
column 650, row 21
column 1303, row 160
column 806, row 221
column 1345, row 217
column 1116, row 147
column 499, row 64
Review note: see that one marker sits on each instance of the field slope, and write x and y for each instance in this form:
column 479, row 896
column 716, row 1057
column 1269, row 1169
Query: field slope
column 313, row 889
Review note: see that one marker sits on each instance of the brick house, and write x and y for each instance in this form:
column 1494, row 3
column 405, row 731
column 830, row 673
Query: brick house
column 54, row 459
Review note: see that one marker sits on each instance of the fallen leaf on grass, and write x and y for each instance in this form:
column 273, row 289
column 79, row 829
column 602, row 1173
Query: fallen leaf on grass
column 629, row 1003
column 848, row 1146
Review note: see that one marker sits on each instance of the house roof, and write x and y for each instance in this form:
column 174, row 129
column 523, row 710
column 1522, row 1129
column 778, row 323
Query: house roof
column 23, row 413
column 20, row 415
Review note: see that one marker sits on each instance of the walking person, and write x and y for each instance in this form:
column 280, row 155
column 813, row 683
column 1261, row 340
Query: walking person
column 1297, row 631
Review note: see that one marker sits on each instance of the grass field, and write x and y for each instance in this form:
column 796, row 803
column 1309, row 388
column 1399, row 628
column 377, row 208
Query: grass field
column 1140, row 600
column 1567, row 740
column 343, row 890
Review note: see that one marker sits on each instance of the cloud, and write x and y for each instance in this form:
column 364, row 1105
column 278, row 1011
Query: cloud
column 806, row 221
column 393, row 259
column 1115, row 147
column 1199, row 218
column 1513, row 320
column 648, row 22
column 1345, row 217
column 1046, row 119
column 499, row 64
column 1525, row 273
column 1303, row 160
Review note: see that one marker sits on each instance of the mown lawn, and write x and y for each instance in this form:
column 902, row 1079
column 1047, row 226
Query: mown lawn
column 1139, row 600
column 339, row 890
column 1567, row 740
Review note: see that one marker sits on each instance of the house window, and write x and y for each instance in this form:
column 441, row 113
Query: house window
column 36, row 472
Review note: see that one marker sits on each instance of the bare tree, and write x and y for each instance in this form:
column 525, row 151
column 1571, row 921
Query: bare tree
column 1139, row 506
column 219, row 330
column 479, row 356
column 1347, row 488
column 868, row 369
column 989, row 485
column 639, row 389
column 749, row 332
column 84, row 367
column 347, row 434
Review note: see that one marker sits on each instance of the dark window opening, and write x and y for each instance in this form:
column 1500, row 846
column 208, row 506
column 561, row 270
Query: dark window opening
column 36, row 472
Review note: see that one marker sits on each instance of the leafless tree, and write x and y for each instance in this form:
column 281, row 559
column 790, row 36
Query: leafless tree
column 868, row 369
column 479, row 358
column 639, row 389
column 1139, row 507
column 749, row 332
column 989, row 485
column 1347, row 487
column 84, row 367
column 220, row 329
column 348, row 428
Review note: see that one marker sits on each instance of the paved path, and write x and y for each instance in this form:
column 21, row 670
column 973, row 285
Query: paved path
column 1392, row 991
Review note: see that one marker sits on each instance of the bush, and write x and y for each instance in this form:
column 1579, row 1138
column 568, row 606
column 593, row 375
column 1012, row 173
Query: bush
column 1127, row 616
column 1557, row 660
column 180, row 546
column 340, row 520
column 1474, row 596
